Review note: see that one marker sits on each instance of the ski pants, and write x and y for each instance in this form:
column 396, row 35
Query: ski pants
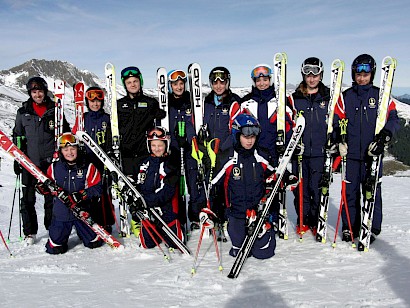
column 356, row 178
column 28, row 201
column 263, row 248
column 60, row 231
column 312, row 170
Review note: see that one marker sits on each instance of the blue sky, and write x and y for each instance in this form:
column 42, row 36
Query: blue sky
column 236, row 34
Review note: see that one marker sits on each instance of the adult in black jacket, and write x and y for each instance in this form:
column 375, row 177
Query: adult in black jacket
column 34, row 133
column 136, row 115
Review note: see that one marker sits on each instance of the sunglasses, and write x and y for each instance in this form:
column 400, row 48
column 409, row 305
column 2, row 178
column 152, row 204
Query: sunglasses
column 178, row 74
column 130, row 71
column 95, row 94
column 250, row 130
column 363, row 67
column 221, row 75
column 261, row 71
column 311, row 69
column 66, row 140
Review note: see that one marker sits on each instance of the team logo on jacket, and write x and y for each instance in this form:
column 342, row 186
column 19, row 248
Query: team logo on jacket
column 188, row 111
column 322, row 105
column 104, row 125
column 125, row 106
column 142, row 105
column 372, row 102
column 141, row 177
column 236, row 173
column 51, row 124
column 224, row 110
column 80, row 174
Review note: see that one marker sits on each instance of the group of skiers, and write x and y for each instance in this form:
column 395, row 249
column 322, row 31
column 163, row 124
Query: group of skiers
column 234, row 180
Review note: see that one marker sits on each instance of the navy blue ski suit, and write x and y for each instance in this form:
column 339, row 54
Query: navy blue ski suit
column 359, row 105
column 314, row 108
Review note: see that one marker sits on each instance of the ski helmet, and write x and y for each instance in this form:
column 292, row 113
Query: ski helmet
column 131, row 71
column 36, row 83
column 93, row 93
column 67, row 139
column 245, row 124
column 364, row 63
column 313, row 66
column 220, row 73
column 174, row 75
column 158, row 133
column 261, row 70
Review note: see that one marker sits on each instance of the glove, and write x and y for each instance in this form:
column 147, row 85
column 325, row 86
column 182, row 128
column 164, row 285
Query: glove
column 300, row 149
column 203, row 135
column 181, row 139
column 343, row 149
column 207, row 218
column 79, row 196
column 290, row 180
column 64, row 196
column 17, row 168
column 42, row 189
column 380, row 141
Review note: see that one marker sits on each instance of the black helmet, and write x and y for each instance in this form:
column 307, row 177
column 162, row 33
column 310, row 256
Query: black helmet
column 364, row 63
column 131, row 71
column 313, row 66
column 221, row 73
column 36, row 83
column 94, row 93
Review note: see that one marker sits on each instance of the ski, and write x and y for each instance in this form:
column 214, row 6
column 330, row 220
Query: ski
column 337, row 70
column 280, row 63
column 389, row 65
column 112, row 99
column 265, row 204
column 125, row 183
column 8, row 146
column 59, row 92
column 195, row 87
column 162, row 84
column 79, row 105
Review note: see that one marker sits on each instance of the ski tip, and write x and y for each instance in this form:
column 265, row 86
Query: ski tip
column 285, row 237
column 220, row 268
column 232, row 276
column 119, row 248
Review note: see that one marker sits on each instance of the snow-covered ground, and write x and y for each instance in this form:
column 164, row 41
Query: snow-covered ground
column 301, row 274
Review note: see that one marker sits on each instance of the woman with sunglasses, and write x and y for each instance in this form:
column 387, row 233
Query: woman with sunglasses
column 98, row 125
column 157, row 181
column 137, row 114
column 34, row 134
column 358, row 105
column 180, row 114
column 312, row 98
column 80, row 180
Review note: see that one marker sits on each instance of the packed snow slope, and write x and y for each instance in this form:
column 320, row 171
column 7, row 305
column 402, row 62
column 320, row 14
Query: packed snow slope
column 301, row 274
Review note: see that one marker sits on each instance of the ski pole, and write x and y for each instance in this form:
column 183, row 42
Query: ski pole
column 16, row 186
column 145, row 224
column 5, row 244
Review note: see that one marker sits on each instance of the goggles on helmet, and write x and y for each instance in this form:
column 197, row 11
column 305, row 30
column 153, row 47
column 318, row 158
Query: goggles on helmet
column 66, row 140
column 261, row 71
column 130, row 71
column 311, row 69
column 221, row 75
column 178, row 74
column 157, row 134
column 363, row 67
column 250, row 130
column 95, row 94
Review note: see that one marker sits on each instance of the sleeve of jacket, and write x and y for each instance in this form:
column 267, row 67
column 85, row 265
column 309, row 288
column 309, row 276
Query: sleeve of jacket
column 93, row 185
column 18, row 130
column 163, row 195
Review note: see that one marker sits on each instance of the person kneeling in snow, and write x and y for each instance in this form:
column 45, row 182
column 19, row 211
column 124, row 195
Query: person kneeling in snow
column 244, row 181
column 157, row 181
column 80, row 181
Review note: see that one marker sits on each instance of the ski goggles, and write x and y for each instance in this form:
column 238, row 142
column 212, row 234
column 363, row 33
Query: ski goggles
column 158, row 133
column 130, row 71
column 311, row 69
column 95, row 94
column 221, row 75
column 66, row 140
column 177, row 74
column 362, row 68
column 250, row 130
column 261, row 71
